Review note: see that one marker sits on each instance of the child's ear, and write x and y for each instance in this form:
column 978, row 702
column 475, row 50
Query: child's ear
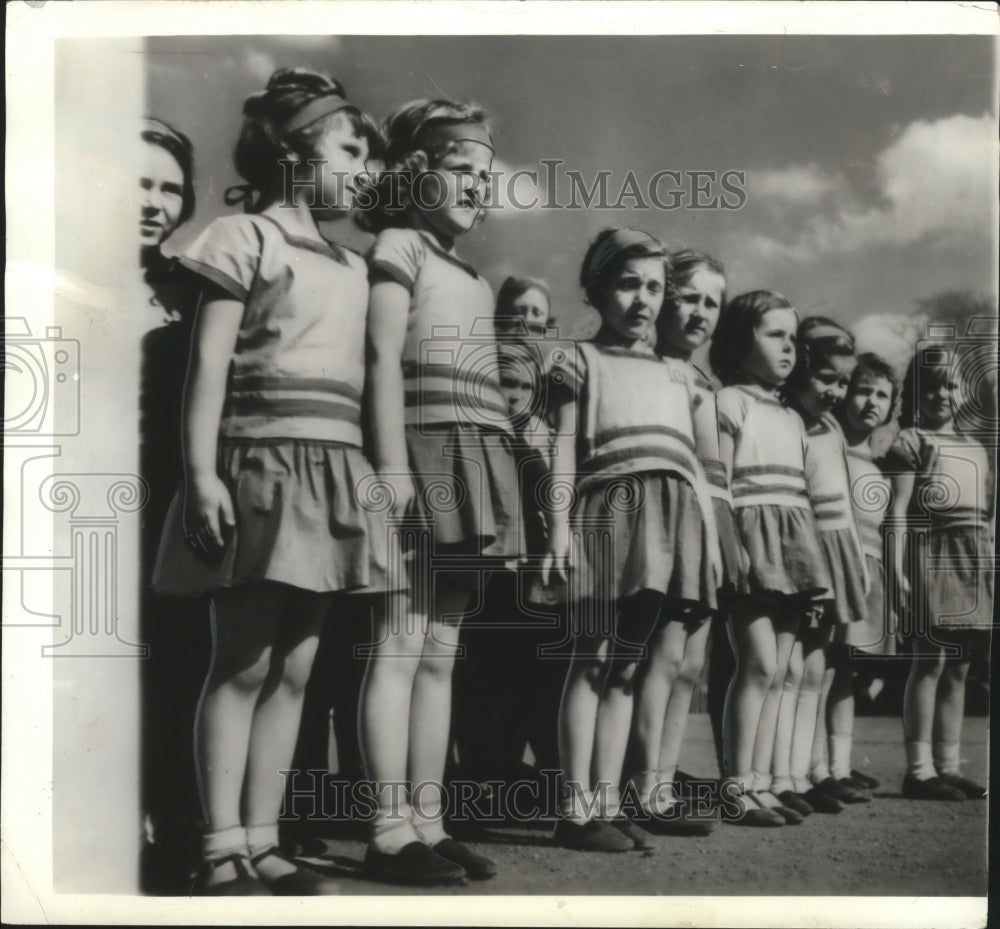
column 418, row 161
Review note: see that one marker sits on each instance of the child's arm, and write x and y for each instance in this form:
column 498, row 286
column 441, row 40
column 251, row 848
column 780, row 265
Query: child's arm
column 902, row 491
column 208, row 509
column 556, row 558
column 388, row 309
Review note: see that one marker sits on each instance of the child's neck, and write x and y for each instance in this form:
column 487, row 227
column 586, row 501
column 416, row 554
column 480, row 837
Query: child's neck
column 447, row 242
column 296, row 220
column 856, row 438
column 751, row 380
column 612, row 338
column 671, row 351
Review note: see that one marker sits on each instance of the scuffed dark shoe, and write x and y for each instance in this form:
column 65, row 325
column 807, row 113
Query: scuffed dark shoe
column 478, row 867
column 971, row 789
column 822, row 802
column 842, row 792
column 931, row 788
column 592, row 836
column 414, row 863
column 795, row 802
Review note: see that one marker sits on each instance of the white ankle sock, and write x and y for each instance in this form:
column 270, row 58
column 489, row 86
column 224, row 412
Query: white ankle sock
column 819, row 771
column 920, row 760
column 840, row 755
column 947, row 757
column 223, row 842
column 578, row 808
column 393, row 829
column 782, row 783
column 260, row 838
column 761, row 781
column 609, row 802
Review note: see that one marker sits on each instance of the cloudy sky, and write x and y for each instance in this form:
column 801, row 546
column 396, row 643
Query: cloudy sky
column 870, row 162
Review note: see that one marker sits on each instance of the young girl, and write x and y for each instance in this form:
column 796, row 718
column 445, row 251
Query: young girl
column 523, row 308
column 677, row 649
column 272, row 455
column 441, row 438
column 825, row 360
column 871, row 398
column 762, row 444
column 943, row 486
column 642, row 534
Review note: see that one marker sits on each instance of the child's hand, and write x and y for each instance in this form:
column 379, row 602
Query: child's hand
column 208, row 515
column 555, row 564
column 399, row 484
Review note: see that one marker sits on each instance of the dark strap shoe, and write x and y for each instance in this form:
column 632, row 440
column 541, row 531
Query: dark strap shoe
column 822, row 802
column 302, row 882
column 797, row 802
column 245, row 884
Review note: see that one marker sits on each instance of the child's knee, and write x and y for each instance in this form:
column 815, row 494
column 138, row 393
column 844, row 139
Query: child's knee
column 759, row 669
column 621, row 675
column 690, row 671
column 251, row 676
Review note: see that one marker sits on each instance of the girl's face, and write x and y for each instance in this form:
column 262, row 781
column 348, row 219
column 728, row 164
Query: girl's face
column 633, row 298
column 452, row 193
column 162, row 197
column 692, row 323
column 533, row 307
column 771, row 353
column 517, row 387
column 343, row 154
column 939, row 395
column 868, row 403
column 827, row 385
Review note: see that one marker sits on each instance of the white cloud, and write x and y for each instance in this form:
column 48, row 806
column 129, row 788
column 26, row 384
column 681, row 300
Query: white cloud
column 937, row 179
column 797, row 184
column 891, row 335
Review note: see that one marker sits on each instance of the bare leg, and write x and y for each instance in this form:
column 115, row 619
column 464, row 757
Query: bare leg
column 430, row 713
column 384, row 712
column 756, row 646
column 276, row 722
column 679, row 703
column 783, row 765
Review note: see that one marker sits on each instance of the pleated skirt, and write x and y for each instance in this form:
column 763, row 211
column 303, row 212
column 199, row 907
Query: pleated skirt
column 955, row 585
column 786, row 559
column 302, row 519
column 849, row 604
column 877, row 633
column 641, row 532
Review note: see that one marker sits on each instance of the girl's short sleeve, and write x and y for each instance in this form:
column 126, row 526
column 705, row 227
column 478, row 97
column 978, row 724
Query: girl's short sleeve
column 228, row 254
column 399, row 254
column 732, row 410
column 906, row 452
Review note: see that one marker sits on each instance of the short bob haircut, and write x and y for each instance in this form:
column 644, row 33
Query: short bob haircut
column 734, row 333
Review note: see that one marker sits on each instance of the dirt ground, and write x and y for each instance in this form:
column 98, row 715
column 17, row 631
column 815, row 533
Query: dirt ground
column 891, row 846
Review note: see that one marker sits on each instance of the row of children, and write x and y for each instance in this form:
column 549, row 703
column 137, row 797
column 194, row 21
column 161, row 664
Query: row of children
column 319, row 401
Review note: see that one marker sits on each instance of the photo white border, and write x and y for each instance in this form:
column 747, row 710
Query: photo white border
column 32, row 29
